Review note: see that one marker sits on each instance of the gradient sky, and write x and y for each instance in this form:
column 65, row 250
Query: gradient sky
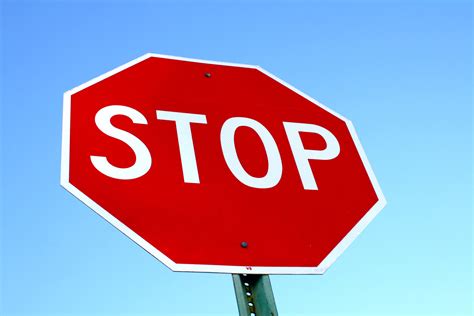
column 400, row 70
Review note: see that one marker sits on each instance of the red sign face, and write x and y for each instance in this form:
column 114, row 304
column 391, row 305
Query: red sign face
column 217, row 167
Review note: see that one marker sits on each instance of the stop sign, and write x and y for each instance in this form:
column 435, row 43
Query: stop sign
column 217, row 167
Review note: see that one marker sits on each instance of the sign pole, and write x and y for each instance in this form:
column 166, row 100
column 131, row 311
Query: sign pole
column 254, row 295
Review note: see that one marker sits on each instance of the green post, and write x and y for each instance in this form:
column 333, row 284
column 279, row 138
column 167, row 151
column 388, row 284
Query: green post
column 254, row 295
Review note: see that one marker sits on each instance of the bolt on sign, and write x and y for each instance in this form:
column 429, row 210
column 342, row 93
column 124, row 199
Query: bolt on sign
column 217, row 167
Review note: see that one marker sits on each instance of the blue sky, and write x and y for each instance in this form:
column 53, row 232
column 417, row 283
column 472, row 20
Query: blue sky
column 400, row 70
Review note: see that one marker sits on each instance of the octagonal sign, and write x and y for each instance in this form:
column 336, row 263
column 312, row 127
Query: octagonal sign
column 217, row 167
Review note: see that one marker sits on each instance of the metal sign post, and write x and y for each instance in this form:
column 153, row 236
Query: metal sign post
column 254, row 295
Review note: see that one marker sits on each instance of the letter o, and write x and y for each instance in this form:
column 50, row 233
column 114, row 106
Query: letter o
column 275, row 168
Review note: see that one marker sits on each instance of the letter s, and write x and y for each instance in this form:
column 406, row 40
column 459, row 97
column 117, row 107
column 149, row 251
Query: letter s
column 143, row 158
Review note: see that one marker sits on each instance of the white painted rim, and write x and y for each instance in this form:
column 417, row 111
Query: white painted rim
column 323, row 266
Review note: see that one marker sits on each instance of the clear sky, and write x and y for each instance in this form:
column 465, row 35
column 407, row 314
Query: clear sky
column 400, row 70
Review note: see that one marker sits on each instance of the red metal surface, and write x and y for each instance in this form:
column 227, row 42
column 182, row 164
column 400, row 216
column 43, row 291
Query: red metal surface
column 205, row 223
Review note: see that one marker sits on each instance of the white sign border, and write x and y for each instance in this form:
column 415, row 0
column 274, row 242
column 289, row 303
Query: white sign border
column 320, row 269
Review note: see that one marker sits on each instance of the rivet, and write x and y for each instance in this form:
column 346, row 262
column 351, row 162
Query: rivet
column 207, row 75
column 244, row 244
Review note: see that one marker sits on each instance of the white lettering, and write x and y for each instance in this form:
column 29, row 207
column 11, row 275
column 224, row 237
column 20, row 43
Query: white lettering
column 228, row 149
column 143, row 158
column 302, row 155
column 185, row 140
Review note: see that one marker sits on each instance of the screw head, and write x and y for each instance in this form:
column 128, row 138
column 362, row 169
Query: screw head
column 244, row 244
column 207, row 75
